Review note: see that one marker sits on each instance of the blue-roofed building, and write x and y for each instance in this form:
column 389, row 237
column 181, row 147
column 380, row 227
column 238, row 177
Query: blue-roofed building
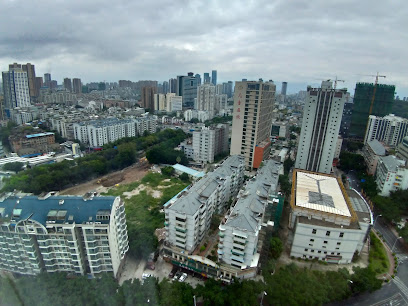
column 80, row 235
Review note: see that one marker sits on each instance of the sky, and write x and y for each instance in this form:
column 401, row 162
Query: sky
column 301, row 42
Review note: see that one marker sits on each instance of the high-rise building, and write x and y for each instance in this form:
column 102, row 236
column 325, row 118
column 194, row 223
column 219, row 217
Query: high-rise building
column 388, row 129
column 173, row 86
column 15, row 88
column 214, row 77
column 284, row 88
column 206, row 99
column 76, row 85
column 252, row 121
column 68, row 84
column 148, row 97
column 39, row 83
column 30, row 69
column 320, row 128
column 209, row 142
column 382, row 106
column 166, row 87
column 47, row 79
column 189, row 90
column 227, row 88
column 207, row 78
column 198, row 77
column 75, row 235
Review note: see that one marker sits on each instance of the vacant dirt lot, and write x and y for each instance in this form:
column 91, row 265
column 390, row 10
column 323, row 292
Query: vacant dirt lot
column 125, row 176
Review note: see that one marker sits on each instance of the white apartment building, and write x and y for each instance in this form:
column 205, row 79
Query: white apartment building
column 174, row 103
column 24, row 115
column 62, row 234
column 209, row 142
column 389, row 129
column 221, row 104
column 402, row 149
column 328, row 223
column 322, row 115
column 252, row 121
column 391, row 175
column 371, row 152
column 96, row 133
column 200, row 115
column 239, row 245
column 16, row 89
column 339, row 143
column 206, row 99
column 160, row 102
column 188, row 216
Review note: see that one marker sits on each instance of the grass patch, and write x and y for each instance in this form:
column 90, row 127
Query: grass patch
column 378, row 260
column 143, row 210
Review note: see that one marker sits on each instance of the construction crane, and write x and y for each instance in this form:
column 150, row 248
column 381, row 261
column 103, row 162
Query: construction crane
column 375, row 89
column 335, row 81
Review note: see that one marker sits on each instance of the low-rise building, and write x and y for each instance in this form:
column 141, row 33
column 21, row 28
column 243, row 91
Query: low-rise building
column 328, row 224
column 188, row 217
column 402, row 149
column 372, row 151
column 239, row 245
column 391, row 175
column 33, row 143
column 62, row 234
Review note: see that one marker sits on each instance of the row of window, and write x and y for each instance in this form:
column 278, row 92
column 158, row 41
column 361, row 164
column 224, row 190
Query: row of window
column 341, row 235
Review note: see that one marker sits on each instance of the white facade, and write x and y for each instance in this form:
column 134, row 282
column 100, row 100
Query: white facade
column 371, row 152
column 389, row 129
column 60, row 236
column 188, row 217
column 160, row 102
column 240, row 229
column 322, row 115
column 252, row 118
column 174, row 103
column 324, row 219
column 16, row 89
column 338, row 147
column 391, row 175
column 402, row 150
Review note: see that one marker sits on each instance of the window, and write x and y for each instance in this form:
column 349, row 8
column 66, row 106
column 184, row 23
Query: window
column 338, row 253
column 325, row 252
column 319, row 252
column 313, row 231
column 328, row 233
column 311, row 240
column 312, row 251
column 306, row 250
column 341, row 235
column 338, row 243
column 325, row 241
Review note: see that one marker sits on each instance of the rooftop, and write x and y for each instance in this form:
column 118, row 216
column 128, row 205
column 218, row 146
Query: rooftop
column 320, row 192
column 61, row 209
column 188, row 170
column 247, row 213
column 392, row 163
column 377, row 147
column 39, row 135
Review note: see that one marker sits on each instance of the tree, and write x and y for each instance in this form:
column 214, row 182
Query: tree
column 15, row 167
column 184, row 177
column 365, row 279
column 287, row 165
column 276, row 248
column 167, row 171
column 194, row 120
column 284, row 184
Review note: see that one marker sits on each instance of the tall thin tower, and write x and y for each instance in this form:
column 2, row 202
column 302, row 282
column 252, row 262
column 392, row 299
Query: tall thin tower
column 252, row 121
column 320, row 128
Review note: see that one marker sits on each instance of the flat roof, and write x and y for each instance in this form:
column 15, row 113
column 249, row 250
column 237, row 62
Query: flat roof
column 320, row 192
column 188, row 170
column 39, row 135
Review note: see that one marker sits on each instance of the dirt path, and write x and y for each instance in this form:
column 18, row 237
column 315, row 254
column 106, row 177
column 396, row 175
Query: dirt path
column 128, row 175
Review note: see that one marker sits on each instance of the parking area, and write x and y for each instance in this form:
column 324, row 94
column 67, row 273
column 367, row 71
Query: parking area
column 135, row 269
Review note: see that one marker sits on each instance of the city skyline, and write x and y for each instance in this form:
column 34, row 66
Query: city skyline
column 164, row 40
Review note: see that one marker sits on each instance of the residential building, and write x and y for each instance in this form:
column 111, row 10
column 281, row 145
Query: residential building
column 68, row 84
column 284, row 88
column 214, row 77
column 33, row 89
column 389, row 129
column 147, row 101
column 32, row 143
column 206, row 99
column 391, row 175
column 280, row 129
column 346, row 118
column 174, row 103
column 38, row 84
column 62, row 234
column 371, row 152
column 2, row 154
column 320, row 128
column 209, row 142
column 328, row 223
column 202, row 116
column 76, row 86
column 188, row 216
column 252, row 121
column 240, row 241
column 173, row 86
column 16, row 89
column 363, row 98
column 188, row 89
column 402, row 149
column 339, row 143
column 23, row 115
column 160, row 102
column 221, row 103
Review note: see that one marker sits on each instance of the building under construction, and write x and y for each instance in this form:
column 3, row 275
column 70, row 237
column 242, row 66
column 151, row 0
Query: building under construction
column 363, row 96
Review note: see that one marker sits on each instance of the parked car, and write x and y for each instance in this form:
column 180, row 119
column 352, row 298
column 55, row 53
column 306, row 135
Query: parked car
column 177, row 276
column 183, row 277
column 173, row 272
column 146, row 275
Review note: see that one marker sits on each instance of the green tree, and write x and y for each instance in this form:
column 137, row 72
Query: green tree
column 15, row 167
column 287, row 165
column 184, row 177
column 276, row 248
column 167, row 171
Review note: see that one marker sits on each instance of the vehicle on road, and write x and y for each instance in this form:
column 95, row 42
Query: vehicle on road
column 183, row 277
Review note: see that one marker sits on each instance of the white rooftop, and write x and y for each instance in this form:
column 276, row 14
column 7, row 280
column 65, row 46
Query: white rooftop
column 320, row 192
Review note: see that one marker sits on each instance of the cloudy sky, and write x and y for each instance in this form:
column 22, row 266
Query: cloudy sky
column 297, row 41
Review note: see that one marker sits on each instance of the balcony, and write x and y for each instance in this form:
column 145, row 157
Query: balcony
column 222, row 235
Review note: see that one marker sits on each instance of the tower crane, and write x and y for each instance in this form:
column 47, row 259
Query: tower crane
column 337, row 80
column 375, row 89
